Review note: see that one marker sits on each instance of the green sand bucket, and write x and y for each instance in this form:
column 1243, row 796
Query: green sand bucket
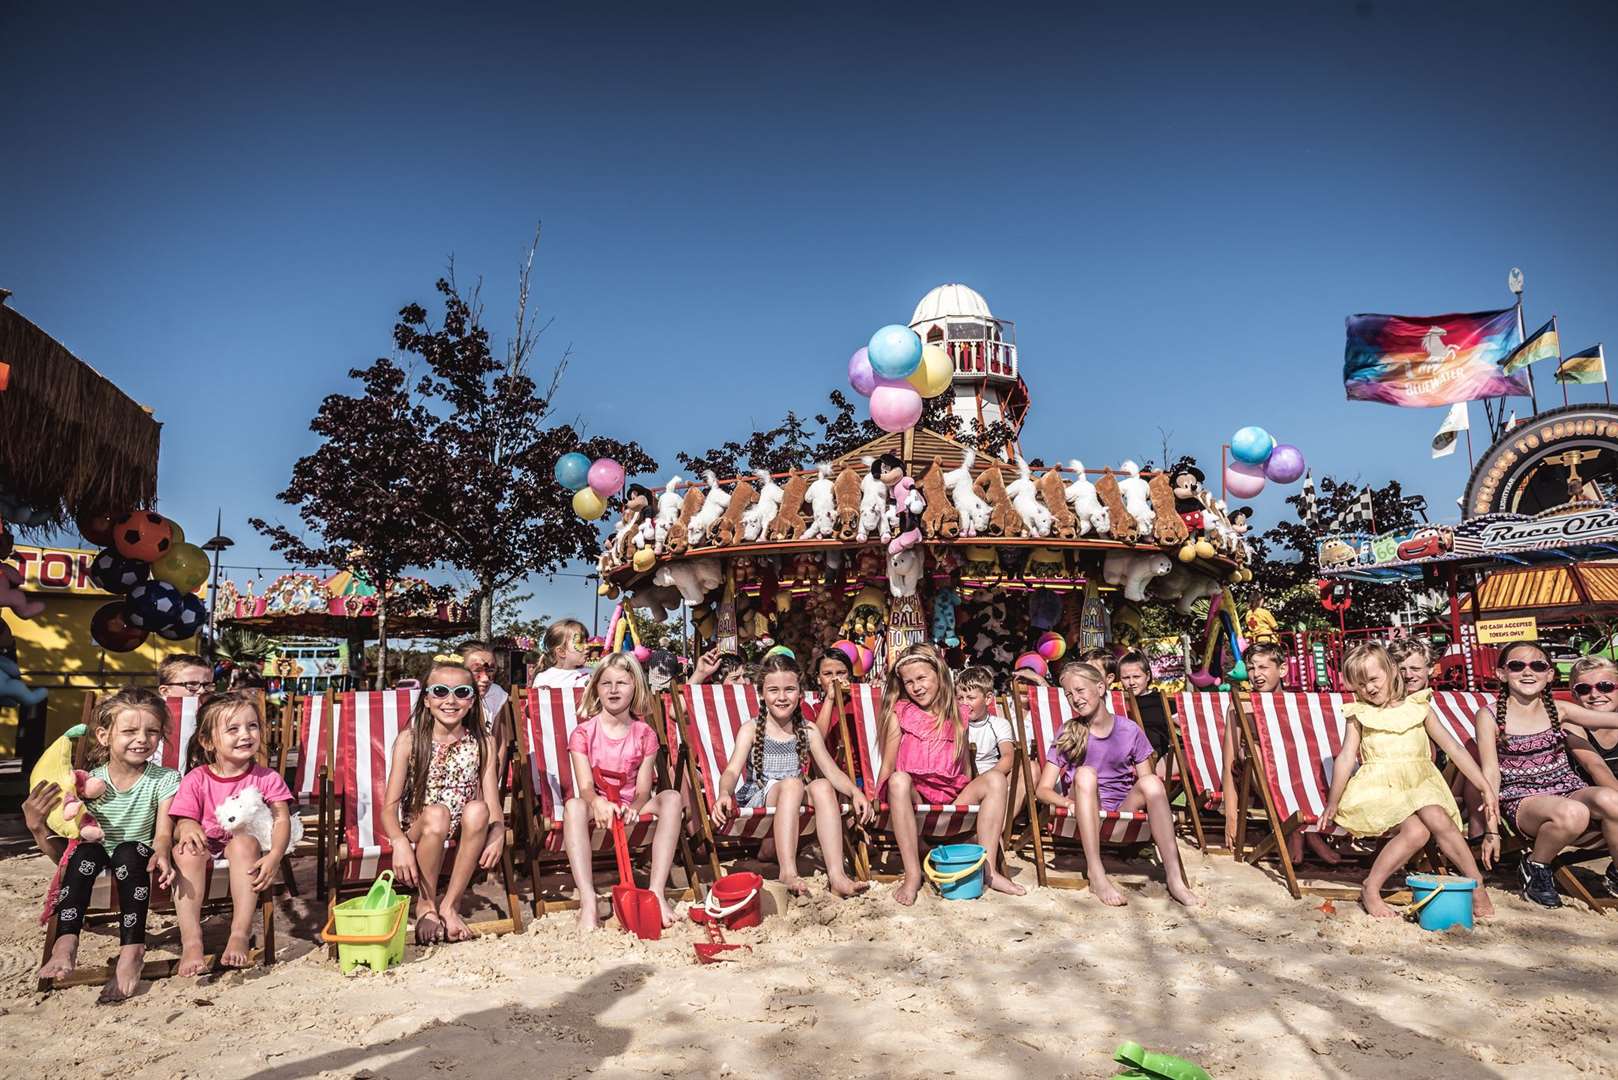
column 369, row 929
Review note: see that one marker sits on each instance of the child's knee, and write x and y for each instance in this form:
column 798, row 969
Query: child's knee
column 435, row 820
column 668, row 804
column 820, row 789
column 574, row 810
column 1151, row 786
column 1086, row 779
column 1605, row 803
column 900, row 781
column 1571, row 815
column 242, row 846
column 791, row 789
column 475, row 816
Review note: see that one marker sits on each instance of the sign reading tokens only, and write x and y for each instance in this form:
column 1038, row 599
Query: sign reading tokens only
column 1501, row 631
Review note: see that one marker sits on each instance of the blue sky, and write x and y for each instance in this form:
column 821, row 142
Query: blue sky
column 223, row 211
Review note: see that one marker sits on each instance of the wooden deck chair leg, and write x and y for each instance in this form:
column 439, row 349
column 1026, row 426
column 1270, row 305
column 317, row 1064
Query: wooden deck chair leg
column 525, row 807
column 323, row 783
column 1029, row 782
column 508, row 874
column 1277, row 833
column 1181, row 760
column 266, row 909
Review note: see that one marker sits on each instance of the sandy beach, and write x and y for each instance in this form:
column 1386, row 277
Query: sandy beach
column 1255, row 985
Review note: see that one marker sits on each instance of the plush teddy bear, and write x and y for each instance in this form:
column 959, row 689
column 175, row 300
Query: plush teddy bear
column 1134, row 571
column 247, row 812
column 945, row 601
column 789, row 522
column 904, row 572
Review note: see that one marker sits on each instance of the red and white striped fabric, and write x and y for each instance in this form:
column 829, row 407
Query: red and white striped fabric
column 714, row 717
column 1456, row 708
column 182, row 725
column 543, row 728
column 1202, row 715
column 1299, row 736
column 368, row 723
column 314, row 733
column 932, row 819
column 1048, row 710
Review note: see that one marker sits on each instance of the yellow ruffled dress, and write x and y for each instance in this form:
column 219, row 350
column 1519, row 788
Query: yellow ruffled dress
column 1396, row 776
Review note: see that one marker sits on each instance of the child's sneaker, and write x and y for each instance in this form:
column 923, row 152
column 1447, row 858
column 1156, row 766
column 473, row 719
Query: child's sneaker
column 1538, row 884
column 1610, row 880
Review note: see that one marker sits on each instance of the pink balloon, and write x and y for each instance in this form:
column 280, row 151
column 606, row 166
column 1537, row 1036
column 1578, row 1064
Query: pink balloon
column 860, row 375
column 642, row 653
column 606, row 477
column 895, row 408
column 1243, row 480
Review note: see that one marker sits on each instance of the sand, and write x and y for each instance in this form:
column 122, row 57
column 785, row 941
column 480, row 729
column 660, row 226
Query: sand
column 1255, row 985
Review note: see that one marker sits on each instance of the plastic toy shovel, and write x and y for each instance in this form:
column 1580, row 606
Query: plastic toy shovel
column 636, row 909
column 1149, row 1065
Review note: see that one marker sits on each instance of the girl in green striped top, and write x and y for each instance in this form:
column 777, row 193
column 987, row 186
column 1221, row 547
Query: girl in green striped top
column 137, row 833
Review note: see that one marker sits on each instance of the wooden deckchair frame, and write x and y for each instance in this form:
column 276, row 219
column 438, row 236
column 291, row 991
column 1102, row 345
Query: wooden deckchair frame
column 1179, row 783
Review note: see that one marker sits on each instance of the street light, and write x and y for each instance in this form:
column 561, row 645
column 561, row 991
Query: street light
column 215, row 547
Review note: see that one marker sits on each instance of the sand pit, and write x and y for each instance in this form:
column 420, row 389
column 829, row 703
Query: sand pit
column 1256, row 985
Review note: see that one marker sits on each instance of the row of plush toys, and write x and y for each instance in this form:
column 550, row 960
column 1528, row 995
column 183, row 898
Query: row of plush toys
column 881, row 501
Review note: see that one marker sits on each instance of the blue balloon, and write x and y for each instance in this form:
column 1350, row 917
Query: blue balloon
column 573, row 470
column 1251, row 445
column 894, row 351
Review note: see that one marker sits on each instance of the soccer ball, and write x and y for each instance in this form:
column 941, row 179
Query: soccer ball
column 193, row 615
column 142, row 535
column 113, row 573
column 152, row 605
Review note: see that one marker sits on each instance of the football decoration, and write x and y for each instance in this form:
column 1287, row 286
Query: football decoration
column 111, row 572
column 96, row 528
column 193, row 616
column 143, row 535
column 111, row 632
column 152, row 605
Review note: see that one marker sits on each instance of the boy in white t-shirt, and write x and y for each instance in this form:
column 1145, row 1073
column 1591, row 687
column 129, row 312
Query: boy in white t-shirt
column 993, row 745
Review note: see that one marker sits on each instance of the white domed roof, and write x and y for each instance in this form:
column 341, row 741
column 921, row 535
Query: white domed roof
column 948, row 301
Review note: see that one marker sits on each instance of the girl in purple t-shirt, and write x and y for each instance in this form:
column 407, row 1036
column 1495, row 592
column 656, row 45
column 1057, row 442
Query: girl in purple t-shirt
column 1103, row 763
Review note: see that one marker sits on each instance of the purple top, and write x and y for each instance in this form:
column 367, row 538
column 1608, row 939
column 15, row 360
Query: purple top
column 1113, row 758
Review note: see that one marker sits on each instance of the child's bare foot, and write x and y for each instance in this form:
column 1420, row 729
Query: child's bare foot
column 455, row 929
column 668, row 912
column 1482, row 906
column 847, row 887
column 1183, row 894
column 64, row 956
column 429, row 927
column 1376, row 907
column 905, row 894
column 235, row 954
column 766, row 850
column 1106, row 892
column 796, row 886
column 192, row 962
column 589, row 917
column 1001, row 883
column 1321, row 849
column 125, row 976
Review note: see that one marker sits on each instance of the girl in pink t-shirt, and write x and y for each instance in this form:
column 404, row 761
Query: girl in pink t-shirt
column 224, row 759
column 1104, row 762
column 925, row 750
column 614, row 756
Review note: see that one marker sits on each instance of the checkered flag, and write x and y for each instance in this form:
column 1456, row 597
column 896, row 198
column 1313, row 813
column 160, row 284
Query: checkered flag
column 1360, row 516
column 1306, row 504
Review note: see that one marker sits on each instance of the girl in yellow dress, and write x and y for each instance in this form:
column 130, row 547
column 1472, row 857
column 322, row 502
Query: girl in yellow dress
column 1397, row 788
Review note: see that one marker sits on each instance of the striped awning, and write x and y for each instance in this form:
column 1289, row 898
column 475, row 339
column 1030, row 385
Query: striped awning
column 1565, row 588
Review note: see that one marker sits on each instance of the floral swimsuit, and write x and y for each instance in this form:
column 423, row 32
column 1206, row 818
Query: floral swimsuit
column 452, row 778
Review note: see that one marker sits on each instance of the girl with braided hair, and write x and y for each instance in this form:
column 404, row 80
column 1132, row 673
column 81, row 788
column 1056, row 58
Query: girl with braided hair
column 1524, row 754
column 778, row 750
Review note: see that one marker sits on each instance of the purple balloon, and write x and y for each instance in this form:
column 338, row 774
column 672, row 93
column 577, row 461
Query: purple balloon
column 1286, row 464
column 860, row 375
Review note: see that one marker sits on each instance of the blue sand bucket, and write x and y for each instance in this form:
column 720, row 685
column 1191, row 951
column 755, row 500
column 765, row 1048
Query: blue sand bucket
column 957, row 870
column 1441, row 902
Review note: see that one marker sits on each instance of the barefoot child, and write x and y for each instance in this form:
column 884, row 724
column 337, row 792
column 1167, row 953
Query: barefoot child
column 925, row 748
column 223, row 761
column 442, row 785
column 136, row 833
column 613, row 753
column 1397, row 787
column 561, row 663
column 1524, row 750
column 770, row 766
column 1103, row 762
column 994, row 747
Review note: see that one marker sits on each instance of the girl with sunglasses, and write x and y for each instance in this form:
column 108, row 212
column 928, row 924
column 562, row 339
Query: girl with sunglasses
column 1523, row 749
column 442, row 785
column 1595, row 685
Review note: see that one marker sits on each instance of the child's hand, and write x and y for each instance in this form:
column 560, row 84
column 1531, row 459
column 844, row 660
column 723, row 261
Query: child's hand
column 189, row 839
column 602, row 811
column 1490, row 850
column 262, row 876
column 862, row 807
column 45, row 797
column 1326, row 817
column 492, row 848
column 163, row 864
column 628, row 815
column 724, row 809
column 404, row 862
column 705, row 666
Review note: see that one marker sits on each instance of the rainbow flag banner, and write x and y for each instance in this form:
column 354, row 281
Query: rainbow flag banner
column 1420, row 361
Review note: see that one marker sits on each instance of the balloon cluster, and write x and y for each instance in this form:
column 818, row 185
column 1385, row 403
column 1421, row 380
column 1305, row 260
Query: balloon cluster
column 144, row 559
column 896, row 371
column 860, row 658
column 592, row 482
column 1258, row 457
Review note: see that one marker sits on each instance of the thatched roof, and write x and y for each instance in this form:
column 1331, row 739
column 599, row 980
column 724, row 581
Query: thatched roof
column 71, row 443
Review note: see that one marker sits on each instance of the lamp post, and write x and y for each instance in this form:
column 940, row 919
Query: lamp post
column 215, row 548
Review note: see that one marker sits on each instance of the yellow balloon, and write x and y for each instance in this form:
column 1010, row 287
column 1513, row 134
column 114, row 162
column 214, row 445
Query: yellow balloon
column 934, row 374
column 588, row 505
column 185, row 566
column 179, row 533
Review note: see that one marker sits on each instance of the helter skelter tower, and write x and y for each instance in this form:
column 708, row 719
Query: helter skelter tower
column 983, row 349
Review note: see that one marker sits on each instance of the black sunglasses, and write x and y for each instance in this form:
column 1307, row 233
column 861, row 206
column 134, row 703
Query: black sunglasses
column 462, row 692
column 1585, row 689
column 1538, row 667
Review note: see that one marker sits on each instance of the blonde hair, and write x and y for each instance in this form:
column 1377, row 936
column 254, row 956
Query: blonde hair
column 945, row 711
column 977, row 678
column 556, row 635
column 1586, row 664
column 214, row 708
column 1400, row 648
column 1357, row 665
column 107, row 710
column 1070, row 741
column 640, row 706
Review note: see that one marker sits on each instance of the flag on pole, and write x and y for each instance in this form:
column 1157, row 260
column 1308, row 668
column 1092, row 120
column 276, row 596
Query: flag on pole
column 1511, row 421
column 1543, row 344
column 1587, row 367
column 1360, row 515
column 1306, row 503
column 1449, row 432
column 1425, row 360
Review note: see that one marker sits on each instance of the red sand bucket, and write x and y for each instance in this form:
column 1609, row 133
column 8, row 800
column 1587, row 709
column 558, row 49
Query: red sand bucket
column 636, row 909
column 733, row 902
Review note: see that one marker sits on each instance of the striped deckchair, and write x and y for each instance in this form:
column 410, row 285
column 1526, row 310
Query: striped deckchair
column 934, row 821
column 711, row 717
column 362, row 728
column 1041, row 715
column 545, row 783
column 1201, row 720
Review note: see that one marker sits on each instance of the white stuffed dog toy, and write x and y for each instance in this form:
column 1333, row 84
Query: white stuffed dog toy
column 247, row 812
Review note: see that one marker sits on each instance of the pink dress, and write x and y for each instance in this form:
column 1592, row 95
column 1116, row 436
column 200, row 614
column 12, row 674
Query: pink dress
column 928, row 753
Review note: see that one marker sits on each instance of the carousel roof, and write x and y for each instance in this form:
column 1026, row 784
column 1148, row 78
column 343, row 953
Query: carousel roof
column 1554, row 592
column 951, row 300
column 340, row 606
